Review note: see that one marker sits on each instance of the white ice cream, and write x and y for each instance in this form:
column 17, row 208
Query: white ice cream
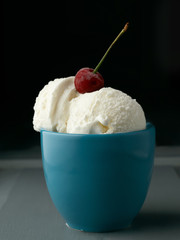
column 51, row 109
column 60, row 108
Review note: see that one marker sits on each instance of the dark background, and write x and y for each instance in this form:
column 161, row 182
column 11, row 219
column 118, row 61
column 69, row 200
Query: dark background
column 43, row 40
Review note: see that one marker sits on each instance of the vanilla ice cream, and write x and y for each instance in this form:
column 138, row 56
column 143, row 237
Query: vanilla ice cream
column 59, row 107
column 51, row 109
column 105, row 111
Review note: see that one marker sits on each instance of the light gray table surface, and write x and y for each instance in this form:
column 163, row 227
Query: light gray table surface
column 27, row 212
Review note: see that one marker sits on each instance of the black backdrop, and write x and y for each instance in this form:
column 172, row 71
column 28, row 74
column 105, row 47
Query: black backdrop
column 43, row 40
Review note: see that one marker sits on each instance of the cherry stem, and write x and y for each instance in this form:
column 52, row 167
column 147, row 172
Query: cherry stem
column 115, row 40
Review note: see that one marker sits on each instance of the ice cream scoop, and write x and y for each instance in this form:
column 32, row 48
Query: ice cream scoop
column 51, row 109
column 105, row 111
column 59, row 107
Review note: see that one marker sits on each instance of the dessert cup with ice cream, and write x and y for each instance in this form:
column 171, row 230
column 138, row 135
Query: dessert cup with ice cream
column 97, row 152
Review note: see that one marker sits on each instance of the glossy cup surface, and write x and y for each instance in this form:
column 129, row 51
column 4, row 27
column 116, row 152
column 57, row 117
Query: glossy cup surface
column 98, row 183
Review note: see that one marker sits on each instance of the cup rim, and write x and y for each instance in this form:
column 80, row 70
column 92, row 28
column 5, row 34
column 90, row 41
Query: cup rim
column 149, row 126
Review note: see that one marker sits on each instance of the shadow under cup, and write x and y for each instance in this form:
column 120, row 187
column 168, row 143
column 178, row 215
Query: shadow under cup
column 98, row 182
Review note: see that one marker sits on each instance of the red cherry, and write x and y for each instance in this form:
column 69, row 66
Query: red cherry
column 88, row 81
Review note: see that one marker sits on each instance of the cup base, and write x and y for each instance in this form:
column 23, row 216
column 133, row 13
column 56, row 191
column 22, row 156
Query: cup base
column 115, row 229
column 81, row 230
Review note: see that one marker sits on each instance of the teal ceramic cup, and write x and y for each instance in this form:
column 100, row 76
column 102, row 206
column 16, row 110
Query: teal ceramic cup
column 98, row 183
